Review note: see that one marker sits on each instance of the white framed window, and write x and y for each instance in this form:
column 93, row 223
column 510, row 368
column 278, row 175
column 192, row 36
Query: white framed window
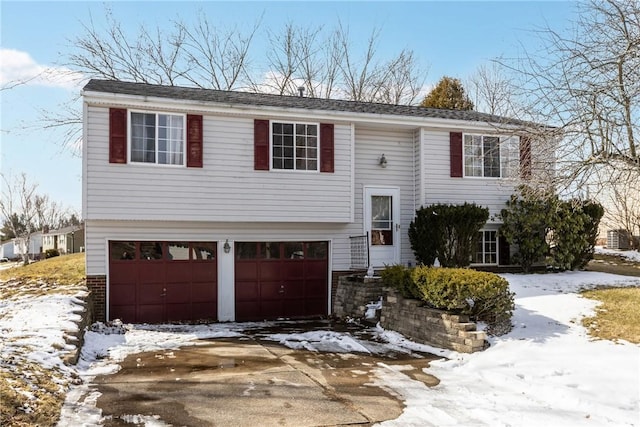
column 294, row 146
column 157, row 138
column 487, row 249
column 490, row 156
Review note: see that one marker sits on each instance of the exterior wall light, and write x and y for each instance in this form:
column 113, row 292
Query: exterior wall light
column 226, row 247
column 382, row 161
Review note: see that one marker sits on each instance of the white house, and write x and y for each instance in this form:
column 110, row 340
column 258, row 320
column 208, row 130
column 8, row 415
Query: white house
column 204, row 204
column 33, row 247
column 6, row 249
column 66, row 240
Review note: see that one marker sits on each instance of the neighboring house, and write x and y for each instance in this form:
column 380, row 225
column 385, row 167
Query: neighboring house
column 204, row 204
column 33, row 247
column 67, row 240
column 6, row 249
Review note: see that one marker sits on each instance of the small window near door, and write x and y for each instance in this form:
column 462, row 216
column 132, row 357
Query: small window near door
column 317, row 250
column 381, row 221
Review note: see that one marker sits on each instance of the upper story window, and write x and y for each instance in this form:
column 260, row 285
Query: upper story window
column 294, row 146
column 490, row 156
column 157, row 138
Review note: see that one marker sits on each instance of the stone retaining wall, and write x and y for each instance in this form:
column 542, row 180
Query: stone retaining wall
column 354, row 293
column 407, row 316
column 430, row 326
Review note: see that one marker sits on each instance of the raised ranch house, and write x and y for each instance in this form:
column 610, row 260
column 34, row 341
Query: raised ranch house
column 67, row 240
column 205, row 204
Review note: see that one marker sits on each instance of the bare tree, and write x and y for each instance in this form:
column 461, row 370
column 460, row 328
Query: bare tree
column 587, row 84
column 330, row 66
column 26, row 212
column 491, row 90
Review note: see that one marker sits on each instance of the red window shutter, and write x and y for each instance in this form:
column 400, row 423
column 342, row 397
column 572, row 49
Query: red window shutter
column 455, row 154
column 117, row 135
column 194, row 141
column 326, row 147
column 261, row 145
column 525, row 157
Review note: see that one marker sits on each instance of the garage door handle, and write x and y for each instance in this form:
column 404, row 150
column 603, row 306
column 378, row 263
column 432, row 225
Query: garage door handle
column 164, row 292
column 281, row 291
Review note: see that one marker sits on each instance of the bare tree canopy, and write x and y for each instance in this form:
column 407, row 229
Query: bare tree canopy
column 491, row 90
column 588, row 85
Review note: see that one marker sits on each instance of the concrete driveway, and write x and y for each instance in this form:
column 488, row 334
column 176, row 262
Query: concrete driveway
column 251, row 381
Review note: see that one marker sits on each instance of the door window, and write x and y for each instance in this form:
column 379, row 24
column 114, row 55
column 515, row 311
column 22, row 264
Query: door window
column 381, row 221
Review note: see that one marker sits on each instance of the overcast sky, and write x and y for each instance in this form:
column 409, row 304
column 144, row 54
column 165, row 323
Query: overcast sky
column 449, row 38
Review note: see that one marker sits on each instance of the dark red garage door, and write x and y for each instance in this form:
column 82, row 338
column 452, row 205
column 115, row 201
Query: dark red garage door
column 281, row 280
column 157, row 282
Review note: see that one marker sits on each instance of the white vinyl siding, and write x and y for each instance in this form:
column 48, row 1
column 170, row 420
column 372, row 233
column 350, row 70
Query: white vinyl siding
column 227, row 188
column 440, row 187
column 398, row 147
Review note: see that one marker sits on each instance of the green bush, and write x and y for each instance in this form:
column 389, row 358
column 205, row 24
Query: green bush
column 50, row 253
column 399, row 278
column 484, row 296
column 447, row 232
column 575, row 229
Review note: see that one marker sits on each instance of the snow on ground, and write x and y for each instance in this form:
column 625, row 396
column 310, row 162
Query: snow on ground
column 629, row 255
column 547, row 371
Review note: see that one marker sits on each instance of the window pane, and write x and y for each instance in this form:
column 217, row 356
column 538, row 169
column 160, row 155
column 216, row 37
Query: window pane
column 381, row 208
column 246, row 250
column 203, row 251
column 491, row 148
column 122, row 250
column 270, row 250
column 178, row 251
column 293, row 250
column 150, row 250
column 317, row 250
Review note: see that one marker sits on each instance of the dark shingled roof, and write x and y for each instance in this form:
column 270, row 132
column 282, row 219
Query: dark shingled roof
column 267, row 100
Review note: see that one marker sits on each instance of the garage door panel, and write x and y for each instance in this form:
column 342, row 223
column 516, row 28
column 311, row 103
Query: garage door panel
column 126, row 313
column 123, row 272
column 302, row 273
column 204, row 311
column 204, row 292
column 247, row 291
column 246, row 270
column 316, row 288
column 316, row 269
column 163, row 289
column 271, row 290
column 203, row 271
column 317, row 306
column 270, row 270
column 178, row 293
column 123, row 294
column 248, row 310
column 293, row 269
column 178, row 271
column 177, row 312
column 151, row 272
column 150, row 313
column 271, row 309
column 294, row 289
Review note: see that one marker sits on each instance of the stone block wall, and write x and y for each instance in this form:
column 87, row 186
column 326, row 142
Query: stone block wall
column 353, row 293
column 430, row 326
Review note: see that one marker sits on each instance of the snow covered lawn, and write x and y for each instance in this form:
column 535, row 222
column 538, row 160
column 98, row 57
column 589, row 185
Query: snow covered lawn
column 547, row 371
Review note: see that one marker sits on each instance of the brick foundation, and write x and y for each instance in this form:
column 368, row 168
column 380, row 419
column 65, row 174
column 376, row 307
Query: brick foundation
column 98, row 287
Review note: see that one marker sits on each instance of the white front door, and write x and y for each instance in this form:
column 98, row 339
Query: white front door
column 382, row 224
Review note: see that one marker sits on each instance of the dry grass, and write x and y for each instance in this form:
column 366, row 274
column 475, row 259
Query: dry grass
column 31, row 395
column 58, row 274
column 618, row 317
